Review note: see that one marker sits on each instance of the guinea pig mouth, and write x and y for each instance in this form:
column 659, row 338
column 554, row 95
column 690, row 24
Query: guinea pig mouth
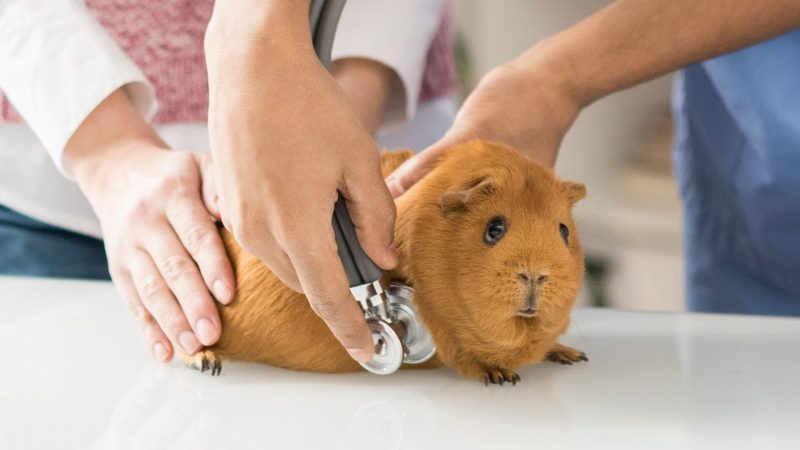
column 528, row 312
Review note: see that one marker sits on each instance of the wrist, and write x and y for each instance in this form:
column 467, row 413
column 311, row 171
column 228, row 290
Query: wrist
column 248, row 57
column 105, row 140
column 243, row 28
column 113, row 167
column 530, row 107
column 550, row 65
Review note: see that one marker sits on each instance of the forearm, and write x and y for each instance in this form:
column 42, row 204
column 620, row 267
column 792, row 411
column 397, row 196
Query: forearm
column 632, row 41
column 531, row 102
column 57, row 64
column 396, row 34
column 254, row 50
column 367, row 85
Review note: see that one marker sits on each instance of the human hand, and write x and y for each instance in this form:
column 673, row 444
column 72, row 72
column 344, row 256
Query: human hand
column 165, row 254
column 522, row 104
column 284, row 140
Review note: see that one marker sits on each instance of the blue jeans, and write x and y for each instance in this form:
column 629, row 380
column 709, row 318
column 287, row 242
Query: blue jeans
column 32, row 248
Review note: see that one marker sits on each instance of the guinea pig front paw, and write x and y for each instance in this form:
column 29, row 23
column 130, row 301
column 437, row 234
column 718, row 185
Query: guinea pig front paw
column 202, row 361
column 566, row 355
column 498, row 375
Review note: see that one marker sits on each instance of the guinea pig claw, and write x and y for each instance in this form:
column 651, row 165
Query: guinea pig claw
column 204, row 360
column 217, row 367
column 500, row 376
column 566, row 355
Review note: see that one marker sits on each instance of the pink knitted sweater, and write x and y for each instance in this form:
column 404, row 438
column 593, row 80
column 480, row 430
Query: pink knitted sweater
column 165, row 39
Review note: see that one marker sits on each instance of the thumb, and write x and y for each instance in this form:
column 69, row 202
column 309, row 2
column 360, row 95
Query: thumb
column 372, row 211
column 414, row 169
column 208, row 185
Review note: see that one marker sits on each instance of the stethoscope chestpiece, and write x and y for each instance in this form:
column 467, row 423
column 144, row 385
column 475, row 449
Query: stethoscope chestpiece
column 397, row 332
column 388, row 348
column 417, row 341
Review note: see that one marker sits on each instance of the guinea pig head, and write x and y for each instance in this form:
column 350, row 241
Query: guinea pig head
column 490, row 246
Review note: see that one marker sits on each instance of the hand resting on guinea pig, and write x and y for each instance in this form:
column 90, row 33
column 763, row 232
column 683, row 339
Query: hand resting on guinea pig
column 488, row 243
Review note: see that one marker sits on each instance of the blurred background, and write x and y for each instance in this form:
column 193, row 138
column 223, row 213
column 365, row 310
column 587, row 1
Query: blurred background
column 619, row 147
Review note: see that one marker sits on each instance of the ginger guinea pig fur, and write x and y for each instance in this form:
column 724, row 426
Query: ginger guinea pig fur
column 488, row 243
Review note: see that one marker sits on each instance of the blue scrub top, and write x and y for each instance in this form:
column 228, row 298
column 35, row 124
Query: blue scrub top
column 737, row 160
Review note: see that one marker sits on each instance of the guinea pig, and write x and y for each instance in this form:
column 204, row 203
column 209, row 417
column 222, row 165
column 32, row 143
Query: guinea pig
column 488, row 243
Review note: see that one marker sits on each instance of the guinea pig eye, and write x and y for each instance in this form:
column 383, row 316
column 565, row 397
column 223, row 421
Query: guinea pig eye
column 564, row 232
column 495, row 230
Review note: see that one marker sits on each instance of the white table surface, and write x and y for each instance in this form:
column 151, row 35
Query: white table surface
column 73, row 374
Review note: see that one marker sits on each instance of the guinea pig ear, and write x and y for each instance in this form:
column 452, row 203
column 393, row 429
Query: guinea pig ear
column 458, row 202
column 574, row 191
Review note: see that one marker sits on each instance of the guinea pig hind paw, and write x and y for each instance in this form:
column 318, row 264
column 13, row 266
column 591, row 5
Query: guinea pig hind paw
column 566, row 355
column 204, row 360
column 497, row 375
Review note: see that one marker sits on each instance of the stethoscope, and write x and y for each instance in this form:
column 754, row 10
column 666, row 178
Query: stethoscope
column 397, row 331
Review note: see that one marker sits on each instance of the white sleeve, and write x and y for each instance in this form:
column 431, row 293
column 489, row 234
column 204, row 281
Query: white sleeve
column 57, row 64
column 396, row 33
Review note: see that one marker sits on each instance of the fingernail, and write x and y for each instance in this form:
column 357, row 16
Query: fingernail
column 395, row 188
column 222, row 292
column 188, row 342
column 206, row 331
column 360, row 354
column 160, row 351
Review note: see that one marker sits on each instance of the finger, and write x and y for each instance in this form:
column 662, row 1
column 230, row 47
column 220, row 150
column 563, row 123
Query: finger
column 159, row 301
column 414, row 169
column 183, row 278
column 220, row 199
column 152, row 336
column 315, row 258
column 209, row 186
column 372, row 211
column 200, row 237
column 267, row 249
column 278, row 262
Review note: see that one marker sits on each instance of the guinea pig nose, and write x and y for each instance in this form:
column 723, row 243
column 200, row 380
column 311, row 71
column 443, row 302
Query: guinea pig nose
column 529, row 278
